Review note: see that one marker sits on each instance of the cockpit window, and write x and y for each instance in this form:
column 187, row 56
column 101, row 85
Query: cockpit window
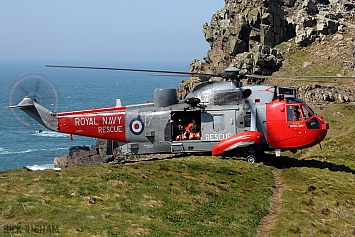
column 307, row 112
column 296, row 111
column 293, row 113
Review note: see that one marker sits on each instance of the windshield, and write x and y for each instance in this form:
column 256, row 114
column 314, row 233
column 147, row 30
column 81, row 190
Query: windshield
column 298, row 112
column 307, row 112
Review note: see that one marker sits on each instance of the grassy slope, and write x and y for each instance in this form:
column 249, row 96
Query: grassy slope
column 319, row 198
column 193, row 196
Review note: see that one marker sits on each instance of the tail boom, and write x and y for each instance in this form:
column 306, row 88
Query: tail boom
column 42, row 115
column 104, row 123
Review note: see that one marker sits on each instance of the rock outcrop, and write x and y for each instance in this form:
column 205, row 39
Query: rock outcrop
column 244, row 33
column 103, row 152
column 244, row 27
column 316, row 19
column 320, row 94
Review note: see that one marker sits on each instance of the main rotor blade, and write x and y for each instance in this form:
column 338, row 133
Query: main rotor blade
column 295, row 77
column 136, row 70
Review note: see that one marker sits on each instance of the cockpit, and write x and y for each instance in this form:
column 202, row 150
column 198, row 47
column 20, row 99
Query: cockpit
column 292, row 124
column 298, row 111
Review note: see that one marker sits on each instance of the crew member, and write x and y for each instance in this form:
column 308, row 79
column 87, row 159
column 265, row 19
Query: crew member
column 194, row 130
column 296, row 114
column 181, row 131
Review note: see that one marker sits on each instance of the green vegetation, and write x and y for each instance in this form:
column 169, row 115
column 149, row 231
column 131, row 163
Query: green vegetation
column 324, row 59
column 191, row 196
column 318, row 197
column 319, row 185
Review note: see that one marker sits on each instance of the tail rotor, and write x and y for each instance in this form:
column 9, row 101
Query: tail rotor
column 35, row 86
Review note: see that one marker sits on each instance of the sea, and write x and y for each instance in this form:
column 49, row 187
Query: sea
column 25, row 143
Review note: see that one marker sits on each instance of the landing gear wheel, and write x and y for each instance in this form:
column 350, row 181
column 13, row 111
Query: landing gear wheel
column 251, row 159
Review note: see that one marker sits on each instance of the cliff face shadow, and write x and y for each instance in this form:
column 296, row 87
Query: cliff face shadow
column 285, row 162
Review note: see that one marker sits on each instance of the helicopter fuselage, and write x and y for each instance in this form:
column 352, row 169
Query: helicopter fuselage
column 228, row 117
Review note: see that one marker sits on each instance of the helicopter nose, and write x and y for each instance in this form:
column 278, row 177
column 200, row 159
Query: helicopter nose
column 325, row 126
column 323, row 131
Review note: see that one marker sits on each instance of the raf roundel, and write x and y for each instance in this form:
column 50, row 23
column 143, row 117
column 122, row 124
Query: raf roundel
column 136, row 126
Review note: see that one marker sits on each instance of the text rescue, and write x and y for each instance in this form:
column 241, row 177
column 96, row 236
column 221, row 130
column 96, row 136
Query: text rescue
column 106, row 124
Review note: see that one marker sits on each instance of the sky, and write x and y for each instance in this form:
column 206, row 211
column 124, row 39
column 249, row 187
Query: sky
column 106, row 31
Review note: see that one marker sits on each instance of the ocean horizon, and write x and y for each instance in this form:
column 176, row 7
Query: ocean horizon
column 36, row 147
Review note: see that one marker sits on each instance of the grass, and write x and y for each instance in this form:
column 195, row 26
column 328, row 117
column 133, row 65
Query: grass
column 319, row 198
column 318, row 56
column 194, row 196
column 191, row 196
column 319, row 183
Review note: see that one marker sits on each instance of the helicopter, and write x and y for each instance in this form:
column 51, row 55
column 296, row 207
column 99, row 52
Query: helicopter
column 226, row 116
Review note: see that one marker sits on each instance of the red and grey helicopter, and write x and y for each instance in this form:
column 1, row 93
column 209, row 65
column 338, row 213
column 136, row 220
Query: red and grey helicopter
column 227, row 117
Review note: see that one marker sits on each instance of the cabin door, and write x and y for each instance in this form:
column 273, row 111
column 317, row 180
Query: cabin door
column 217, row 125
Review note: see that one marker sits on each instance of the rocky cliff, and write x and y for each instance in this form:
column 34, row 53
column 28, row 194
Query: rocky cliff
column 244, row 34
column 317, row 34
column 250, row 29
